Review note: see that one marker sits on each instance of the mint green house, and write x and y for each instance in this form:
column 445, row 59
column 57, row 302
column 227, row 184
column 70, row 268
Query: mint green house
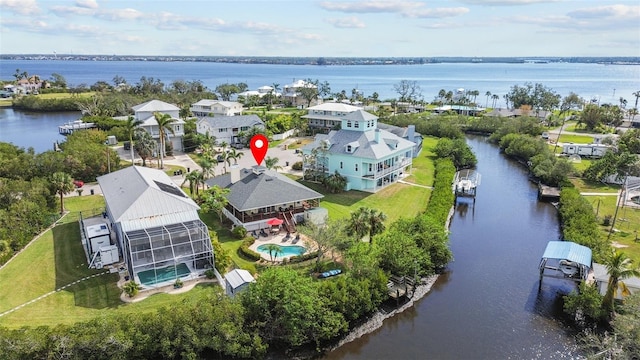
column 370, row 158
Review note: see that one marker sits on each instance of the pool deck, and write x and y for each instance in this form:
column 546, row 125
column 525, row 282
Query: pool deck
column 279, row 239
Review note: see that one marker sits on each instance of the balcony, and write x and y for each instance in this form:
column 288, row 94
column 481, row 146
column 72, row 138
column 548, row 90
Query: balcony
column 386, row 170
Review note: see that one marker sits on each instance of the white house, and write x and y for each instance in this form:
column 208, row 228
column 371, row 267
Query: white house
column 228, row 128
column 370, row 158
column 157, row 226
column 290, row 93
column 261, row 92
column 237, row 280
column 327, row 116
column 145, row 112
column 210, row 108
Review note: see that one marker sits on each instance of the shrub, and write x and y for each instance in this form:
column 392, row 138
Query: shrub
column 297, row 166
column 210, row 274
column 239, row 232
column 131, row 288
column 303, row 257
column 248, row 253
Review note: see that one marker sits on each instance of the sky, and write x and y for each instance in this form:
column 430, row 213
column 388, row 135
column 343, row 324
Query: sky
column 308, row 28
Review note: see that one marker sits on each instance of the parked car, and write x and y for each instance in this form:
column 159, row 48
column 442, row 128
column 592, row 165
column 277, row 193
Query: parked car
column 78, row 183
column 238, row 145
column 127, row 145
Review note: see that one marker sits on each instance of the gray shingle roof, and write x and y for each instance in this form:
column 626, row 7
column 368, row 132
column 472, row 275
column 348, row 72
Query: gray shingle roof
column 233, row 121
column 255, row 191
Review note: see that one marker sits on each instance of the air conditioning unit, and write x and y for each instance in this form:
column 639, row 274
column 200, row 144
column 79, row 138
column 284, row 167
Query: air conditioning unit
column 98, row 264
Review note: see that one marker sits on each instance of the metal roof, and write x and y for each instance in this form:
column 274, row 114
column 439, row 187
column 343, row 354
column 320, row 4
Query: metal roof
column 134, row 198
column 568, row 251
column 238, row 277
column 334, row 106
column 368, row 147
column 155, row 105
column 233, row 121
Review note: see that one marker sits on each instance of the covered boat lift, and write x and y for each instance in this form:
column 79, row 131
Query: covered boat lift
column 565, row 260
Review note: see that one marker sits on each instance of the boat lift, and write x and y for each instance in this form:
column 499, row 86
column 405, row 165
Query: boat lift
column 465, row 184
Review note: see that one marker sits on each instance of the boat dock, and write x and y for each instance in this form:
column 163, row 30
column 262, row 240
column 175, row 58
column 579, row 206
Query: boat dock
column 548, row 193
column 465, row 183
column 70, row 127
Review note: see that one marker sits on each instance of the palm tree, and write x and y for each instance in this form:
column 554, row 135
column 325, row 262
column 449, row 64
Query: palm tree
column 618, row 268
column 335, row 182
column 366, row 221
column 637, row 95
column 274, row 251
column 62, row 183
column 235, row 155
column 165, row 122
column 193, row 178
column 145, row 146
column 487, row 94
column 130, row 128
column 271, row 163
column 495, row 98
column 632, row 113
column 207, row 166
column 441, row 94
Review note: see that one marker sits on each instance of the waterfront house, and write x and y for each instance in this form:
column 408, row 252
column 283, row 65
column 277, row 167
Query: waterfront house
column 327, row 116
column 261, row 92
column 258, row 195
column 290, row 93
column 369, row 157
column 408, row 133
column 145, row 112
column 211, row 108
column 157, row 226
column 228, row 129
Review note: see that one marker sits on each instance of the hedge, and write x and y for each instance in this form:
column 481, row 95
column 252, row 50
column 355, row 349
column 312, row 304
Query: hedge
column 248, row 253
column 442, row 197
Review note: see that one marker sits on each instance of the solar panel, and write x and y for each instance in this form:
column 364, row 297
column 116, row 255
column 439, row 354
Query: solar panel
column 169, row 189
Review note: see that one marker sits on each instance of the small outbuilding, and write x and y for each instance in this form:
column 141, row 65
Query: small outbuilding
column 236, row 280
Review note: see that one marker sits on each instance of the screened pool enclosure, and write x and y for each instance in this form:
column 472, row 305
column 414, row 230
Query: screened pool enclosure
column 160, row 254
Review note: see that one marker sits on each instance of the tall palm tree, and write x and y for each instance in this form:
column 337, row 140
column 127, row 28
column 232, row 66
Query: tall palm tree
column 165, row 122
column 487, row 94
column 618, row 268
column 274, row 250
column 495, row 98
column 130, row 128
column 207, row 166
column 366, row 221
column 62, row 183
column 271, row 163
column 192, row 178
column 235, row 155
column 637, row 95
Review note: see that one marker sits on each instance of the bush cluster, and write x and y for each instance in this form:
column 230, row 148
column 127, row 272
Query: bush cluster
column 442, row 197
column 34, row 103
column 303, row 257
column 579, row 223
column 248, row 253
column 297, row 165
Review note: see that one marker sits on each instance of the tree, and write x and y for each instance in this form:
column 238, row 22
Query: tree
column 409, row 90
column 324, row 89
column 586, row 302
column 235, row 156
column 487, row 94
column 274, row 250
column 131, row 288
column 324, row 236
column 271, row 163
column 637, row 95
column 144, row 145
column 495, row 98
column 58, row 81
column 165, row 123
column 618, row 268
column 215, row 199
column 366, row 222
column 62, row 183
column 130, row 128
column 193, row 178
column 207, row 166
column 335, row 182
column 308, row 91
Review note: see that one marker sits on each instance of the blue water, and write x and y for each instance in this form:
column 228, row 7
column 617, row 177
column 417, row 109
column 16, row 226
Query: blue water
column 151, row 277
column 286, row 250
column 606, row 82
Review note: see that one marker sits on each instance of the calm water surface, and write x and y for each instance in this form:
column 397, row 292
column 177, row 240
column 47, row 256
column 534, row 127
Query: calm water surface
column 487, row 305
column 37, row 130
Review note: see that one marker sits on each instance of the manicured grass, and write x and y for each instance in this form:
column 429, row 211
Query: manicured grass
column 594, row 187
column 625, row 229
column 576, row 139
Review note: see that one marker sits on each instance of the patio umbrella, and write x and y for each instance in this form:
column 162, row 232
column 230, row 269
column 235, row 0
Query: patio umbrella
column 275, row 222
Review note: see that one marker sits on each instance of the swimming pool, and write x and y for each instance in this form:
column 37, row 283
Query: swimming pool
column 285, row 250
column 148, row 277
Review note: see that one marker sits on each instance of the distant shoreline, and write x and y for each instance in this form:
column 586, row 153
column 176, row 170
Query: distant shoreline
column 329, row 61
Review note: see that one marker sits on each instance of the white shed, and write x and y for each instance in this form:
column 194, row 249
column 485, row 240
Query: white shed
column 236, row 280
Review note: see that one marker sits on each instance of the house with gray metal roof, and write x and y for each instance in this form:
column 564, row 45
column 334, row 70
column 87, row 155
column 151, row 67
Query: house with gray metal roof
column 369, row 157
column 408, row 133
column 258, row 195
column 228, row 129
column 157, row 226
column 145, row 112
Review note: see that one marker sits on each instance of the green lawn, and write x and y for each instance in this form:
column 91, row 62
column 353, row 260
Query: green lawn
column 576, row 139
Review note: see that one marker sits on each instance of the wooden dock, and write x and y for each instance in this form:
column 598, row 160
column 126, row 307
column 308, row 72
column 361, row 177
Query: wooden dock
column 70, row 127
column 548, row 193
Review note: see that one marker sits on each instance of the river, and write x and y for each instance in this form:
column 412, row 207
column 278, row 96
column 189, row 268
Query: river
column 486, row 305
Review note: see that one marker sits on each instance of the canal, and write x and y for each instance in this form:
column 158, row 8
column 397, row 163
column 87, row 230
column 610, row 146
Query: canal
column 31, row 129
column 486, row 305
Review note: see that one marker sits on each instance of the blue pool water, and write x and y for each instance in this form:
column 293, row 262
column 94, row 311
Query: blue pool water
column 286, row 250
column 149, row 277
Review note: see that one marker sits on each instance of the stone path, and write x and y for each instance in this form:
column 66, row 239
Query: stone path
column 51, row 293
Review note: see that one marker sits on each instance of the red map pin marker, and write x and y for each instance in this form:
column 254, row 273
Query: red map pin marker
column 259, row 145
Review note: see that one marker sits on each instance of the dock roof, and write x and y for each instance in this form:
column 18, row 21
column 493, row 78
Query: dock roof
column 569, row 251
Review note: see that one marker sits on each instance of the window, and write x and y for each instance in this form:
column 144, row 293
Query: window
column 348, row 148
column 370, row 167
column 340, row 164
column 356, row 167
column 349, row 123
column 244, row 128
column 222, row 130
column 357, row 125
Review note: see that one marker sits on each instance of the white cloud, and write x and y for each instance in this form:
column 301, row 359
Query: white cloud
column 64, row 11
column 437, row 13
column 610, row 12
column 120, row 14
column 346, row 23
column 22, row 7
column 507, row 2
column 372, row 6
column 89, row 4
column 587, row 19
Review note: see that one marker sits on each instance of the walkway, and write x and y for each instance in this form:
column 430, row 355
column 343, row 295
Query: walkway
column 51, row 293
column 414, row 184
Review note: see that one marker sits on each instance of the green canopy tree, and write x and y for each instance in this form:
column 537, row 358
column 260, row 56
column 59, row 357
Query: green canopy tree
column 619, row 268
column 215, row 199
column 131, row 126
column 144, row 145
column 62, row 183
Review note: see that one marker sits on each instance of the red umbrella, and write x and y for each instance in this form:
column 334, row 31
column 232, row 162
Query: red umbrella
column 275, row 222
